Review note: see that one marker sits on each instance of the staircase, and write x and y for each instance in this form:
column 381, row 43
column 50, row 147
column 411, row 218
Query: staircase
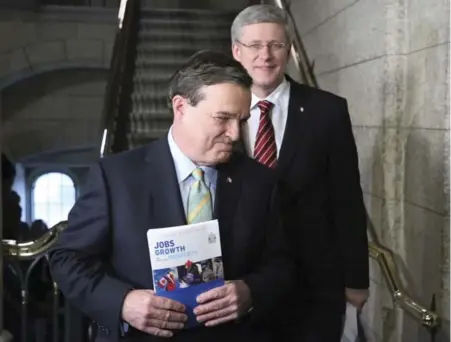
column 166, row 38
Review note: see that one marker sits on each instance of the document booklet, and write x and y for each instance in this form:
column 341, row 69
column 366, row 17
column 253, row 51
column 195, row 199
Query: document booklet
column 186, row 261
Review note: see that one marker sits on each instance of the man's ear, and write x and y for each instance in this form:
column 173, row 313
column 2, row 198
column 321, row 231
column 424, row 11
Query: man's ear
column 178, row 105
column 289, row 52
column 236, row 52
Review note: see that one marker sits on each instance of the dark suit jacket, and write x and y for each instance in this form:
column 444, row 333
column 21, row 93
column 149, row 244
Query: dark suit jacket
column 322, row 200
column 103, row 253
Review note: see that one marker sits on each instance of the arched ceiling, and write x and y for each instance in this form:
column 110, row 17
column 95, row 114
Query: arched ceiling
column 60, row 109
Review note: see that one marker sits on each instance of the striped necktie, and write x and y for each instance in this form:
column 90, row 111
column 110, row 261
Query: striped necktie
column 199, row 199
column 265, row 150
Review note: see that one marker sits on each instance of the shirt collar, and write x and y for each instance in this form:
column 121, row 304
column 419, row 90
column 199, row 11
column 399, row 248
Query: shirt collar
column 184, row 166
column 274, row 97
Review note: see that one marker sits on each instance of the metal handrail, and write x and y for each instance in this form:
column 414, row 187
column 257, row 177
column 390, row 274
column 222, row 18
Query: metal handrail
column 31, row 249
column 384, row 258
column 36, row 250
column 298, row 51
column 379, row 253
column 126, row 17
column 121, row 13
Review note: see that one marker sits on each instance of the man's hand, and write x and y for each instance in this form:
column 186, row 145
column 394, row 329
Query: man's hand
column 223, row 304
column 154, row 315
column 357, row 297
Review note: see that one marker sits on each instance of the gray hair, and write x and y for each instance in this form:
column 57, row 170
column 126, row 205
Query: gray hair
column 257, row 14
column 206, row 68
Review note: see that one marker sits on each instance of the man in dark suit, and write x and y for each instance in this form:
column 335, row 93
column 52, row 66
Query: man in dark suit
column 101, row 261
column 305, row 135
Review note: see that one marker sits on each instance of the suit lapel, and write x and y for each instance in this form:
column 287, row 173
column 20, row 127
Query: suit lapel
column 167, row 206
column 296, row 126
column 228, row 192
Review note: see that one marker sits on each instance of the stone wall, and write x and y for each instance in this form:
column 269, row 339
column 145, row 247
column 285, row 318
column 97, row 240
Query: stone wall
column 53, row 71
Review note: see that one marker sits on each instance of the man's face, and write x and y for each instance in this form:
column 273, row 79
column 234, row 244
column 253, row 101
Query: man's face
column 206, row 132
column 263, row 50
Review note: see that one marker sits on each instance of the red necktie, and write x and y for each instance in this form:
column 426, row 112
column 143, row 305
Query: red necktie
column 265, row 150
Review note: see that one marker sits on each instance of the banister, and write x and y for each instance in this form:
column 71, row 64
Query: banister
column 30, row 249
column 298, row 51
column 114, row 89
column 121, row 14
column 385, row 260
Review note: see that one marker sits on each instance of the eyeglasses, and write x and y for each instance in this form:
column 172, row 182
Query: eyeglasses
column 273, row 46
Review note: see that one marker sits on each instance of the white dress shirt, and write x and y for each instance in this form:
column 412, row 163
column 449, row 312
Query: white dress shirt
column 184, row 167
column 279, row 113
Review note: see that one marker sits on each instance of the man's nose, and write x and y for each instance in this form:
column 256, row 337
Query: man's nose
column 265, row 53
column 234, row 131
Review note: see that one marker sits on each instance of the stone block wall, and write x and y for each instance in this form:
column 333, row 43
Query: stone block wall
column 53, row 72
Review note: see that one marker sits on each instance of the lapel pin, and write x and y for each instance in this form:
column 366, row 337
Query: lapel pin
column 229, row 180
column 301, row 109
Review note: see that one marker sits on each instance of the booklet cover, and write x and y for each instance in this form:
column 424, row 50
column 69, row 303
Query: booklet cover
column 186, row 261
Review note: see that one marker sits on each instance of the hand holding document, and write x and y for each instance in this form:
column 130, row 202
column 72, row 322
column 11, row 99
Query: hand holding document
column 224, row 304
column 186, row 262
column 154, row 315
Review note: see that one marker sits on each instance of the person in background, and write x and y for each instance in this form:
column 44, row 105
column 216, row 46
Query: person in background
column 305, row 135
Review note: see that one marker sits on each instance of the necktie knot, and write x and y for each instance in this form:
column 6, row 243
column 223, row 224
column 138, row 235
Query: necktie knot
column 198, row 174
column 265, row 106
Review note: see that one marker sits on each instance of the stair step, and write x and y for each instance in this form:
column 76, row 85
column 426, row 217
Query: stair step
column 158, row 68
column 157, row 93
column 187, row 14
column 150, row 135
column 150, row 105
column 148, row 61
column 165, row 51
column 152, row 77
column 145, row 90
column 139, row 139
column 161, row 113
column 163, row 55
column 187, row 40
column 144, row 126
column 144, row 123
column 139, row 127
column 175, row 33
column 182, row 23
column 184, row 45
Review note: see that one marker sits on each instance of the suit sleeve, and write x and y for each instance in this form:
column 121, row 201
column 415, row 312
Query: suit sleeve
column 348, row 210
column 267, row 290
column 78, row 259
